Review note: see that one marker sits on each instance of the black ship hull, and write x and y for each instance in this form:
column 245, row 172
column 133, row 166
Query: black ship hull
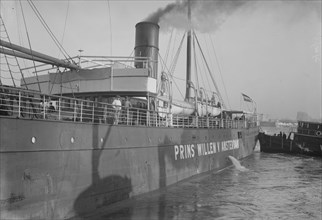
column 59, row 169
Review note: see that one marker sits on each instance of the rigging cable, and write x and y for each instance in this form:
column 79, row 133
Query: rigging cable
column 9, row 69
column 21, row 41
column 211, row 66
column 213, row 80
column 62, row 40
column 195, row 59
column 175, row 40
column 67, row 11
column 41, row 19
column 201, row 71
column 168, row 48
column 175, row 59
column 24, row 20
column 171, row 76
column 7, row 37
column 110, row 19
column 220, row 72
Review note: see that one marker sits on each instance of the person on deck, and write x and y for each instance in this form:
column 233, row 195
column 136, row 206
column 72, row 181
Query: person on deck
column 128, row 106
column 117, row 106
column 51, row 108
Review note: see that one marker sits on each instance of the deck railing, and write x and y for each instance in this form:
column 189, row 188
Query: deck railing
column 28, row 104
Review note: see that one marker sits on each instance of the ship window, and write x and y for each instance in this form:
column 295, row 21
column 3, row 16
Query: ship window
column 72, row 140
column 33, row 140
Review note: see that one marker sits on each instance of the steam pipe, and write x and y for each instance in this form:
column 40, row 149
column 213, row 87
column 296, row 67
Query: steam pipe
column 36, row 54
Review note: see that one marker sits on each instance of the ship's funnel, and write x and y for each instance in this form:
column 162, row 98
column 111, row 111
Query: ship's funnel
column 147, row 45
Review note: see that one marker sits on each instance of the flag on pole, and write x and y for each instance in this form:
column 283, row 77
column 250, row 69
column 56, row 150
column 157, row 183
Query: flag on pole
column 247, row 98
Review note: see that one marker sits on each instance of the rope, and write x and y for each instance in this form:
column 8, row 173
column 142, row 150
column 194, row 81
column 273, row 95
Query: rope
column 168, row 48
column 175, row 59
column 24, row 20
column 162, row 62
column 209, row 55
column 220, row 72
column 213, row 80
column 195, row 59
column 110, row 19
column 7, row 58
column 67, row 11
column 41, row 19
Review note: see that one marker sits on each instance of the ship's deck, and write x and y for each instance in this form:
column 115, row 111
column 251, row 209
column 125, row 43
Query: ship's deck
column 26, row 104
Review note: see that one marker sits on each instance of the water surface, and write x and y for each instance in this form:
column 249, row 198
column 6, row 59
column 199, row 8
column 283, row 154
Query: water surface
column 276, row 186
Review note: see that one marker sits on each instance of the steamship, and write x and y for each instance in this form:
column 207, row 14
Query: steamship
column 68, row 151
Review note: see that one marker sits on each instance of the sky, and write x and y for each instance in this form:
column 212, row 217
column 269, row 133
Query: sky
column 269, row 50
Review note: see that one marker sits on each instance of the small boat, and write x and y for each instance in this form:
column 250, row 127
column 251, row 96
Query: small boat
column 307, row 140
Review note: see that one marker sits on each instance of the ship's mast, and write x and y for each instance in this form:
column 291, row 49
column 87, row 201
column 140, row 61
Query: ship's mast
column 188, row 73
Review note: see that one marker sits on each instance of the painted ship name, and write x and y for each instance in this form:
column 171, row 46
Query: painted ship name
column 186, row 151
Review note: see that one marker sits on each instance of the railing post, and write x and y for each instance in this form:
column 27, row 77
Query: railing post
column 93, row 113
column 81, row 112
column 177, row 121
column 75, row 110
column 19, row 105
column 137, row 117
column 44, row 107
column 166, row 120
column 59, row 108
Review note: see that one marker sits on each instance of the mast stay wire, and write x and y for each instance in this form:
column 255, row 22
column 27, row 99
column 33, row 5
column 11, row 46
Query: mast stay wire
column 6, row 57
column 211, row 63
column 20, row 37
column 168, row 48
column 212, row 78
column 164, row 65
column 41, row 19
column 176, row 56
column 202, row 70
column 219, row 69
column 202, row 79
column 24, row 20
column 195, row 59
column 67, row 12
column 110, row 19
column 175, row 40
column 172, row 67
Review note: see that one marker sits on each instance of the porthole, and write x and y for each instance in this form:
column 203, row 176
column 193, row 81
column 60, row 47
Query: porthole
column 33, row 140
column 72, row 140
column 102, row 140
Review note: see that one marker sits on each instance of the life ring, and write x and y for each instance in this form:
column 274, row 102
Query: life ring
column 318, row 133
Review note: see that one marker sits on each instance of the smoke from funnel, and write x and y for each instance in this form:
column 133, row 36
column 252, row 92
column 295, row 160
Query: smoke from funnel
column 206, row 15
column 209, row 15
